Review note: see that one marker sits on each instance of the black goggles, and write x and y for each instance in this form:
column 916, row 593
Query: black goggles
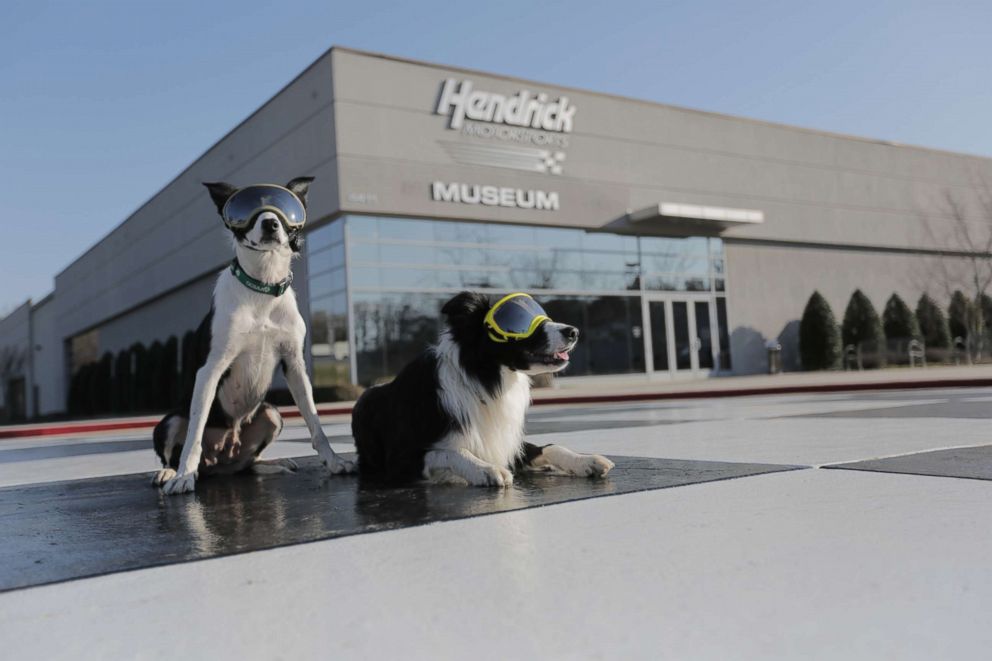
column 514, row 317
column 247, row 203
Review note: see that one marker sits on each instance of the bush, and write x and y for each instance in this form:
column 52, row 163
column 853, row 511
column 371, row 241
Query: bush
column 960, row 315
column 122, row 382
column 189, row 364
column 170, row 369
column 139, row 377
column 900, row 326
column 819, row 339
column 77, row 391
column 985, row 309
column 156, row 377
column 933, row 326
column 103, row 384
column 863, row 329
column 899, row 322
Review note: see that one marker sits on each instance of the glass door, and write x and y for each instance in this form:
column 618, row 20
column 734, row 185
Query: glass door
column 680, row 341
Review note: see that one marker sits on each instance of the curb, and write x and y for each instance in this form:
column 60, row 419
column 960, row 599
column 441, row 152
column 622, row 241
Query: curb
column 56, row 429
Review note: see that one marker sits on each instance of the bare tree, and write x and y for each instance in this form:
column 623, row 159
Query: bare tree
column 964, row 237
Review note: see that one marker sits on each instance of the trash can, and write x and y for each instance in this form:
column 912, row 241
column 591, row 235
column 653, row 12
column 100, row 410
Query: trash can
column 774, row 356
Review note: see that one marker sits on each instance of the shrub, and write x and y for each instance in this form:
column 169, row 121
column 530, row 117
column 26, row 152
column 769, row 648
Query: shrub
column 170, row 370
column 863, row 329
column 139, row 377
column 819, row 339
column 122, row 382
column 103, row 384
column 960, row 315
column 933, row 326
column 899, row 322
column 189, row 366
column 985, row 309
column 900, row 326
column 156, row 377
column 77, row 404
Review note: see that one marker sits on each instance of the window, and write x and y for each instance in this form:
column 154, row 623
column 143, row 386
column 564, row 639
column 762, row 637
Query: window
column 401, row 271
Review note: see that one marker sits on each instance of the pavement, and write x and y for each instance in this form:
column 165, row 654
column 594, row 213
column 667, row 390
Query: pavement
column 842, row 525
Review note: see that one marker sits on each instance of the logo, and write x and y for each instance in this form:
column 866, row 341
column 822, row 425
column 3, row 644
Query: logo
column 515, row 157
column 525, row 109
column 494, row 196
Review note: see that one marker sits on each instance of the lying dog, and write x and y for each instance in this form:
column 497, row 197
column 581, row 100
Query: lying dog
column 253, row 326
column 456, row 413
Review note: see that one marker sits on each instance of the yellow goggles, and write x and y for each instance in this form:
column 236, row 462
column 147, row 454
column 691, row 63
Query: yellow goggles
column 514, row 317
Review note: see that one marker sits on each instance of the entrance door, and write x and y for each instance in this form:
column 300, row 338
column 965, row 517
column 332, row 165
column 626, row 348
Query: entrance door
column 681, row 335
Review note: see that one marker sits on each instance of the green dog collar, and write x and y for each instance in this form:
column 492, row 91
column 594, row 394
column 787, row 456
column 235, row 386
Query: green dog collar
column 277, row 289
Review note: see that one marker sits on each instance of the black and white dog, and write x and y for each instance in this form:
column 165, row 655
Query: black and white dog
column 456, row 413
column 253, row 326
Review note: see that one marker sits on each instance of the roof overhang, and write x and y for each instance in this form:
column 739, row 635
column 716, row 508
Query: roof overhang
column 678, row 219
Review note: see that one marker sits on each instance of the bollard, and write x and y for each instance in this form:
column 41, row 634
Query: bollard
column 774, row 356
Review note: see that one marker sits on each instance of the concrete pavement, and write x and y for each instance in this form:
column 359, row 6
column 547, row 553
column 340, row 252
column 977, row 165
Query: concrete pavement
column 812, row 563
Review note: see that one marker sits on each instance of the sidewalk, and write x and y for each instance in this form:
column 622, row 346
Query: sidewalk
column 619, row 389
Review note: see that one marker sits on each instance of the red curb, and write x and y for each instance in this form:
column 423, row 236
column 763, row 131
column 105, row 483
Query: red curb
column 345, row 409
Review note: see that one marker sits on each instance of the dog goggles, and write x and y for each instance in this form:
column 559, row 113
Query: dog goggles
column 247, row 203
column 514, row 317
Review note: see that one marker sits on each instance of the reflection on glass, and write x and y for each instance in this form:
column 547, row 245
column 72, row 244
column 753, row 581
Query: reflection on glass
column 659, row 335
column 723, row 333
column 325, row 283
column 704, row 334
column 329, row 341
column 391, row 329
column 362, row 227
column 592, row 275
column 683, row 344
column 322, row 237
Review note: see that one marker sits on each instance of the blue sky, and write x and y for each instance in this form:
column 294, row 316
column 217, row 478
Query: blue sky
column 103, row 102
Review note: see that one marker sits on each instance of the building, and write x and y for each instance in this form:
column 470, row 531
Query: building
column 679, row 241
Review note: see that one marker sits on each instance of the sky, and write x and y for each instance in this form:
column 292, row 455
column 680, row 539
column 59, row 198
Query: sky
column 102, row 103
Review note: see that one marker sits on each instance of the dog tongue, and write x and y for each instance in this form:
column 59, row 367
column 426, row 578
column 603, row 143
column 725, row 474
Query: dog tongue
column 562, row 355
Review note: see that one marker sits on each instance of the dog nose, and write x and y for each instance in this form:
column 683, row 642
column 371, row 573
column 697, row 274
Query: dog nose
column 270, row 224
column 571, row 333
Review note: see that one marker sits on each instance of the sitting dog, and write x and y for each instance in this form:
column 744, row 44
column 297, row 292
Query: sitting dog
column 253, row 326
column 456, row 413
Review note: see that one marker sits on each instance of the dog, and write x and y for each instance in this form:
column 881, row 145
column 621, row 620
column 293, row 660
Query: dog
column 455, row 414
column 253, row 326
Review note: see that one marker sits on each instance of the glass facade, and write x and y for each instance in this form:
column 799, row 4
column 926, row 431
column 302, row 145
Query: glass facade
column 329, row 346
column 395, row 274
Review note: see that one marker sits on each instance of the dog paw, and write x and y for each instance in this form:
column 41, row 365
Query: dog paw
column 338, row 466
column 180, row 484
column 593, row 465
column 162, row 476
column 492, row 476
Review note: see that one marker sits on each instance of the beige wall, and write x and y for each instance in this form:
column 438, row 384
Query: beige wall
column 769, row 286
column 626, row 154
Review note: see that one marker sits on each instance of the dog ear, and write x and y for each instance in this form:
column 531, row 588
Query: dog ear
column 300, row 186
column 220, row 192
column 296, row 241
column 466, row 306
